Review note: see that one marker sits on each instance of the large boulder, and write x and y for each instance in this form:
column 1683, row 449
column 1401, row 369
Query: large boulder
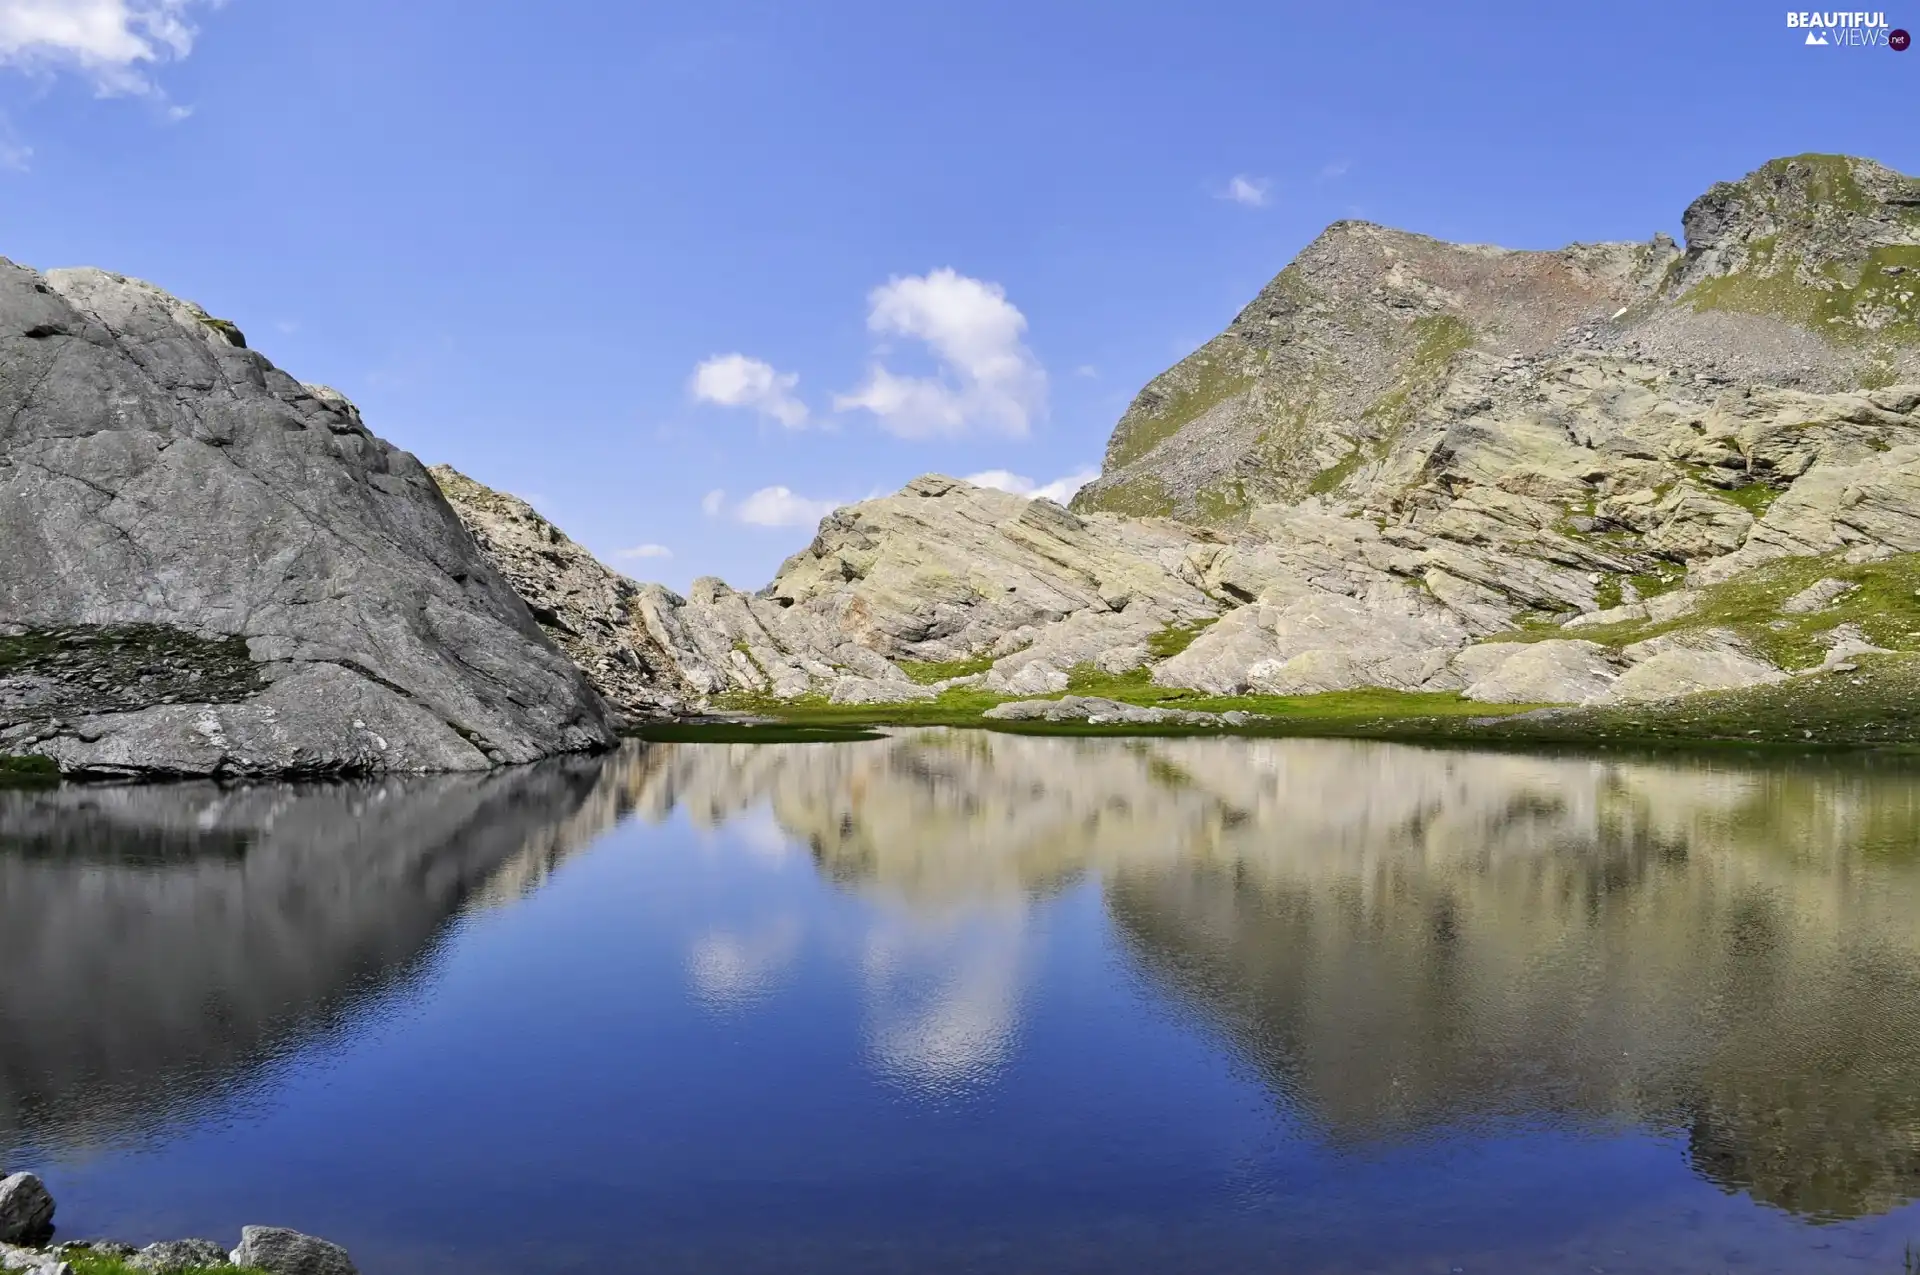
column 279, row 1251
column 26, row 1210
column 162, row 486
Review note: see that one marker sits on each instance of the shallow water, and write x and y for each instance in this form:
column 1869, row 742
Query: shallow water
column 971, row 1002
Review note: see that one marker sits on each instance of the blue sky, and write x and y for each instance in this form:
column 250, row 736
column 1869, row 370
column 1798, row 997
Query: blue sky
column 900, row 237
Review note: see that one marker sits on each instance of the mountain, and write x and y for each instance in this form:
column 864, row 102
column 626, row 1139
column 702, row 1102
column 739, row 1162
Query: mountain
column 1610, row 474
column 213, row 569
column 1798, row 276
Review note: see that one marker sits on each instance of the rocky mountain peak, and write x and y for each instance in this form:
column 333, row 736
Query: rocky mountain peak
column 1807, row 213
column 1801, row 274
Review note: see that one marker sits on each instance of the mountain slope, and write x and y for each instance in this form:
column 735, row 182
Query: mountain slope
column 213, row 569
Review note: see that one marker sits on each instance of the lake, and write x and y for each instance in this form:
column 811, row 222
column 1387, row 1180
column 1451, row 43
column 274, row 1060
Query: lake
column 960, row 1001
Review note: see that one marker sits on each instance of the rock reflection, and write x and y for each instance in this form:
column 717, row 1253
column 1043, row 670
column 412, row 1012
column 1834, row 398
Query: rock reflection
column 1403, row 940
column 160, row 944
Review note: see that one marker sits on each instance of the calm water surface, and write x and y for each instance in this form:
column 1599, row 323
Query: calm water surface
column 966, row 1002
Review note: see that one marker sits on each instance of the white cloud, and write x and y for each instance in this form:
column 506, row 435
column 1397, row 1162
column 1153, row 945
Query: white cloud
column 1338, row 168
column 712, row 502
column 780, row 507
column 1059, row 491
column 644, row 551
column 1087, row 370
column 734, row 380
column 988, row 379
column 113, row 43
column 1251, row 191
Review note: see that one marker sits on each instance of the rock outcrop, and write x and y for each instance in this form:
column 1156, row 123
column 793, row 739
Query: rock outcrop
column 274, row 589
column 942, row 573
column 597, row 616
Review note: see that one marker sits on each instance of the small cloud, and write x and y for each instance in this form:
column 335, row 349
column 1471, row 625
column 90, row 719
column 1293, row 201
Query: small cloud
column 1059, row 491
column 534, row 498
column 734, row 380
column 1337, row 169
column 113, row 44
column 1250, row 191
column 1087, row 370
column 286, row 327
column 781, row 507
column 711, row 503
column 988, row 379
column 644, row 551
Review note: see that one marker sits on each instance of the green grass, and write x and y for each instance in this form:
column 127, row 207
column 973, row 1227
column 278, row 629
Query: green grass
column 1875, row 706
column 749, row 733
column 1225, row 502
column 27, row 770
column 1333, row 475
column 1755, row 498
column 1142, row 496
column 1194, row 387
column 927, row 672
column 1886, row 607
column 1176, row 638
column 1360, row 712
column 1866, row 304
column 85, row 1263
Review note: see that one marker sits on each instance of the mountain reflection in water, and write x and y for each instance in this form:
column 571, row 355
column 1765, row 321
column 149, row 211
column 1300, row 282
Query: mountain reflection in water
column 1404, row 940
column 1403, row 945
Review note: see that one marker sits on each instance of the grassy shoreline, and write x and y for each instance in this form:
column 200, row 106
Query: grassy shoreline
column 1873, row 706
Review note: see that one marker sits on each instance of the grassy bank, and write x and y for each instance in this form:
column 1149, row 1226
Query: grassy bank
column 85, row 1263
column 1874, row 705
column 19, row 771
column 1362, row 712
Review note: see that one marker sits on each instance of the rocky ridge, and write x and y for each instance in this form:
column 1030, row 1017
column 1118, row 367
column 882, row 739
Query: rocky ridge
column 1587, row 476
column 215, row 570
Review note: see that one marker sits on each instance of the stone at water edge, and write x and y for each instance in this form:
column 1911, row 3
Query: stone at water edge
column 169, row 1256
column 279, row 1251
column 26, row 1210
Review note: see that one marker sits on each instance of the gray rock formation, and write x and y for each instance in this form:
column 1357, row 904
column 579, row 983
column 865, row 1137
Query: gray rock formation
column 26, row 1210
column 279, row 1251
column 168, row 493
column 591, row 612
